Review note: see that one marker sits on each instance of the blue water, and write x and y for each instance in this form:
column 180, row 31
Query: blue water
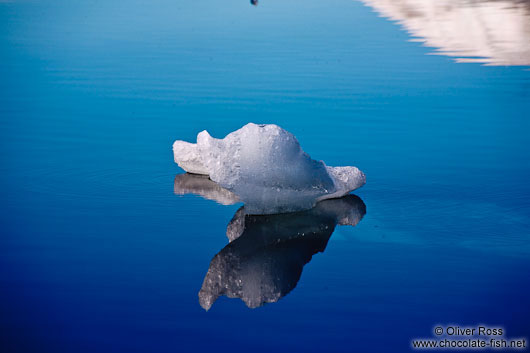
column 98, row 254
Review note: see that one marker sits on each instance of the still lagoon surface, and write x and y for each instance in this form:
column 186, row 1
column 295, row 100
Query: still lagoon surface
column 431, row 99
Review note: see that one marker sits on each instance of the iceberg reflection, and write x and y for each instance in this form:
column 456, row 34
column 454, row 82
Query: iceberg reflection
column 201, row 185
column 266, row 254
column 484, row 31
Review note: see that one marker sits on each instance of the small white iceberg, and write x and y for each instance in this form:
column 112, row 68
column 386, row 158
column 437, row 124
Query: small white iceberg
column 266, row 168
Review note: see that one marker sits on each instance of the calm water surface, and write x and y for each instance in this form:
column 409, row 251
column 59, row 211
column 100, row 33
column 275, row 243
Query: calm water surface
column 97, row 253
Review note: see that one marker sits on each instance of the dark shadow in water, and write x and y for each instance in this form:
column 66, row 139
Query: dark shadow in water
column 254, row 2
column 266, row 253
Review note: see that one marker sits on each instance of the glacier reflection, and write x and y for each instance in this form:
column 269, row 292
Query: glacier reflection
column 264, row 258
column 489, row 32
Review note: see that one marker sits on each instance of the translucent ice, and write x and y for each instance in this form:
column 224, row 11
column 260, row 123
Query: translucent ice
column 266, row 168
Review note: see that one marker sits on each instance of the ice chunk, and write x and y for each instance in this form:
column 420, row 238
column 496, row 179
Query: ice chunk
column 266, row 254
column 187, row 156
column 266, row 168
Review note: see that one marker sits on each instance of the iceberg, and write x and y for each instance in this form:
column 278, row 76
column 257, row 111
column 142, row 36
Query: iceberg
column 266, row 254
column 265, row 168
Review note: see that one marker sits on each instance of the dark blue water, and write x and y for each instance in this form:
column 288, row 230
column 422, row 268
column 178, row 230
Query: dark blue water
column 98, row 254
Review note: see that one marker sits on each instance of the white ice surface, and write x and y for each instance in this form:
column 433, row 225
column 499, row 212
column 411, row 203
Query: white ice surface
column 266, row 168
